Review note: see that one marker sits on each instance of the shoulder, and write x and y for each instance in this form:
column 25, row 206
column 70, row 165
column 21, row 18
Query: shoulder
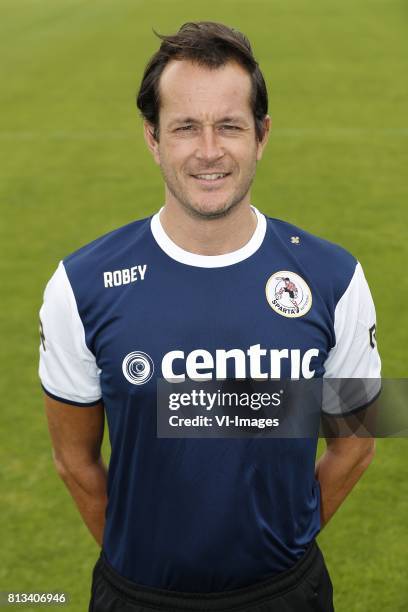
column 327, row 264
column 80, row 276
column 110, row 246
column 311, row 245
column 111, row 253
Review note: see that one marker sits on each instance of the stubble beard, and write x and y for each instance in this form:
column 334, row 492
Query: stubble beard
column 200, row 211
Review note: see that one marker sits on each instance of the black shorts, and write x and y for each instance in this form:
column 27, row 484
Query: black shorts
column 306, row 587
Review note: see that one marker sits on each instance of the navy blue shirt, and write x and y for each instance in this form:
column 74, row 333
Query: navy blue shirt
column 203, row 515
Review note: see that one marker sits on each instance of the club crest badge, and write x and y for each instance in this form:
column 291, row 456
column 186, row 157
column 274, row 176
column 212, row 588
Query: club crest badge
column 288, row 294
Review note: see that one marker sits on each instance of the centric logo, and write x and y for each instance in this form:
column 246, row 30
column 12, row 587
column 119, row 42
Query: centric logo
column 137, row 367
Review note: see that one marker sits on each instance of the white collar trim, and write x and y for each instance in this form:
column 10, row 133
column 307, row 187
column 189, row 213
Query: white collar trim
column 208, row 261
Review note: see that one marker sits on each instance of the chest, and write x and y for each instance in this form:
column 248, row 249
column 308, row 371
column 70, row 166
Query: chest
column 209, row 324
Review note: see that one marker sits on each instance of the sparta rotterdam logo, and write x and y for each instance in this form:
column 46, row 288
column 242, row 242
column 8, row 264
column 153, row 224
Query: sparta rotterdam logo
column 137, row 367
column 288, row 294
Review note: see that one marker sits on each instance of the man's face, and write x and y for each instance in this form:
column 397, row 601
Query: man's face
column 207, row 148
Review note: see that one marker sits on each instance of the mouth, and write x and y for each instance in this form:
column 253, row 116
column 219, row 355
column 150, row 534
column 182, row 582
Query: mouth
column 212, row 178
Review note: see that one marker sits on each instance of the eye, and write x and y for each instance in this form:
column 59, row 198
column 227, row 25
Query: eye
column 185, row 128
column 229, row 127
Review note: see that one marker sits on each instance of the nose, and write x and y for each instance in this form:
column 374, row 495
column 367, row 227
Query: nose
column 209, row 148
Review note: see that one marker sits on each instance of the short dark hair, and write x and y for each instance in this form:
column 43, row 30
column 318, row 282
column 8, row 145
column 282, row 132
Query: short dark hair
column 208, row 44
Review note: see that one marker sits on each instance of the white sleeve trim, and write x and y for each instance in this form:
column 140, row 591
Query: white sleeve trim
column 68, row 368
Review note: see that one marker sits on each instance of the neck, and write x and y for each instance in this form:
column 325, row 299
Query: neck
column 216, row 236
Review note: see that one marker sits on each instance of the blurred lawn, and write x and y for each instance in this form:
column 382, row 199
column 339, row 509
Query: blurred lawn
column 74, row 166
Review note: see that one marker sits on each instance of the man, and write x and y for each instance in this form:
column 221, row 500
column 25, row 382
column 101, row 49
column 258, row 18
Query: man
column 193, row 293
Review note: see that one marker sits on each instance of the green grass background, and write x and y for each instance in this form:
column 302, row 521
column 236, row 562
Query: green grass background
column 74, row 165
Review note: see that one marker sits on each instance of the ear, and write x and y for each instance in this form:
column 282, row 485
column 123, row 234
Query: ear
column 152, row 143
column 262, row 143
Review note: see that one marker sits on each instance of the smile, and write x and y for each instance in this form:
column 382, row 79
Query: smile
column 211, row 177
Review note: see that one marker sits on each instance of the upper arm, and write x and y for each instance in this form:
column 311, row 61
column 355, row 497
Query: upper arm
column 358, row 450
column 69, row 376
column 68, row 369
column 354, row 362
column 76, row 433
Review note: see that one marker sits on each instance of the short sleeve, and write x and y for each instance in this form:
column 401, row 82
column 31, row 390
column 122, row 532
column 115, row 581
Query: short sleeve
column 355, row 354
column 68, row 369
